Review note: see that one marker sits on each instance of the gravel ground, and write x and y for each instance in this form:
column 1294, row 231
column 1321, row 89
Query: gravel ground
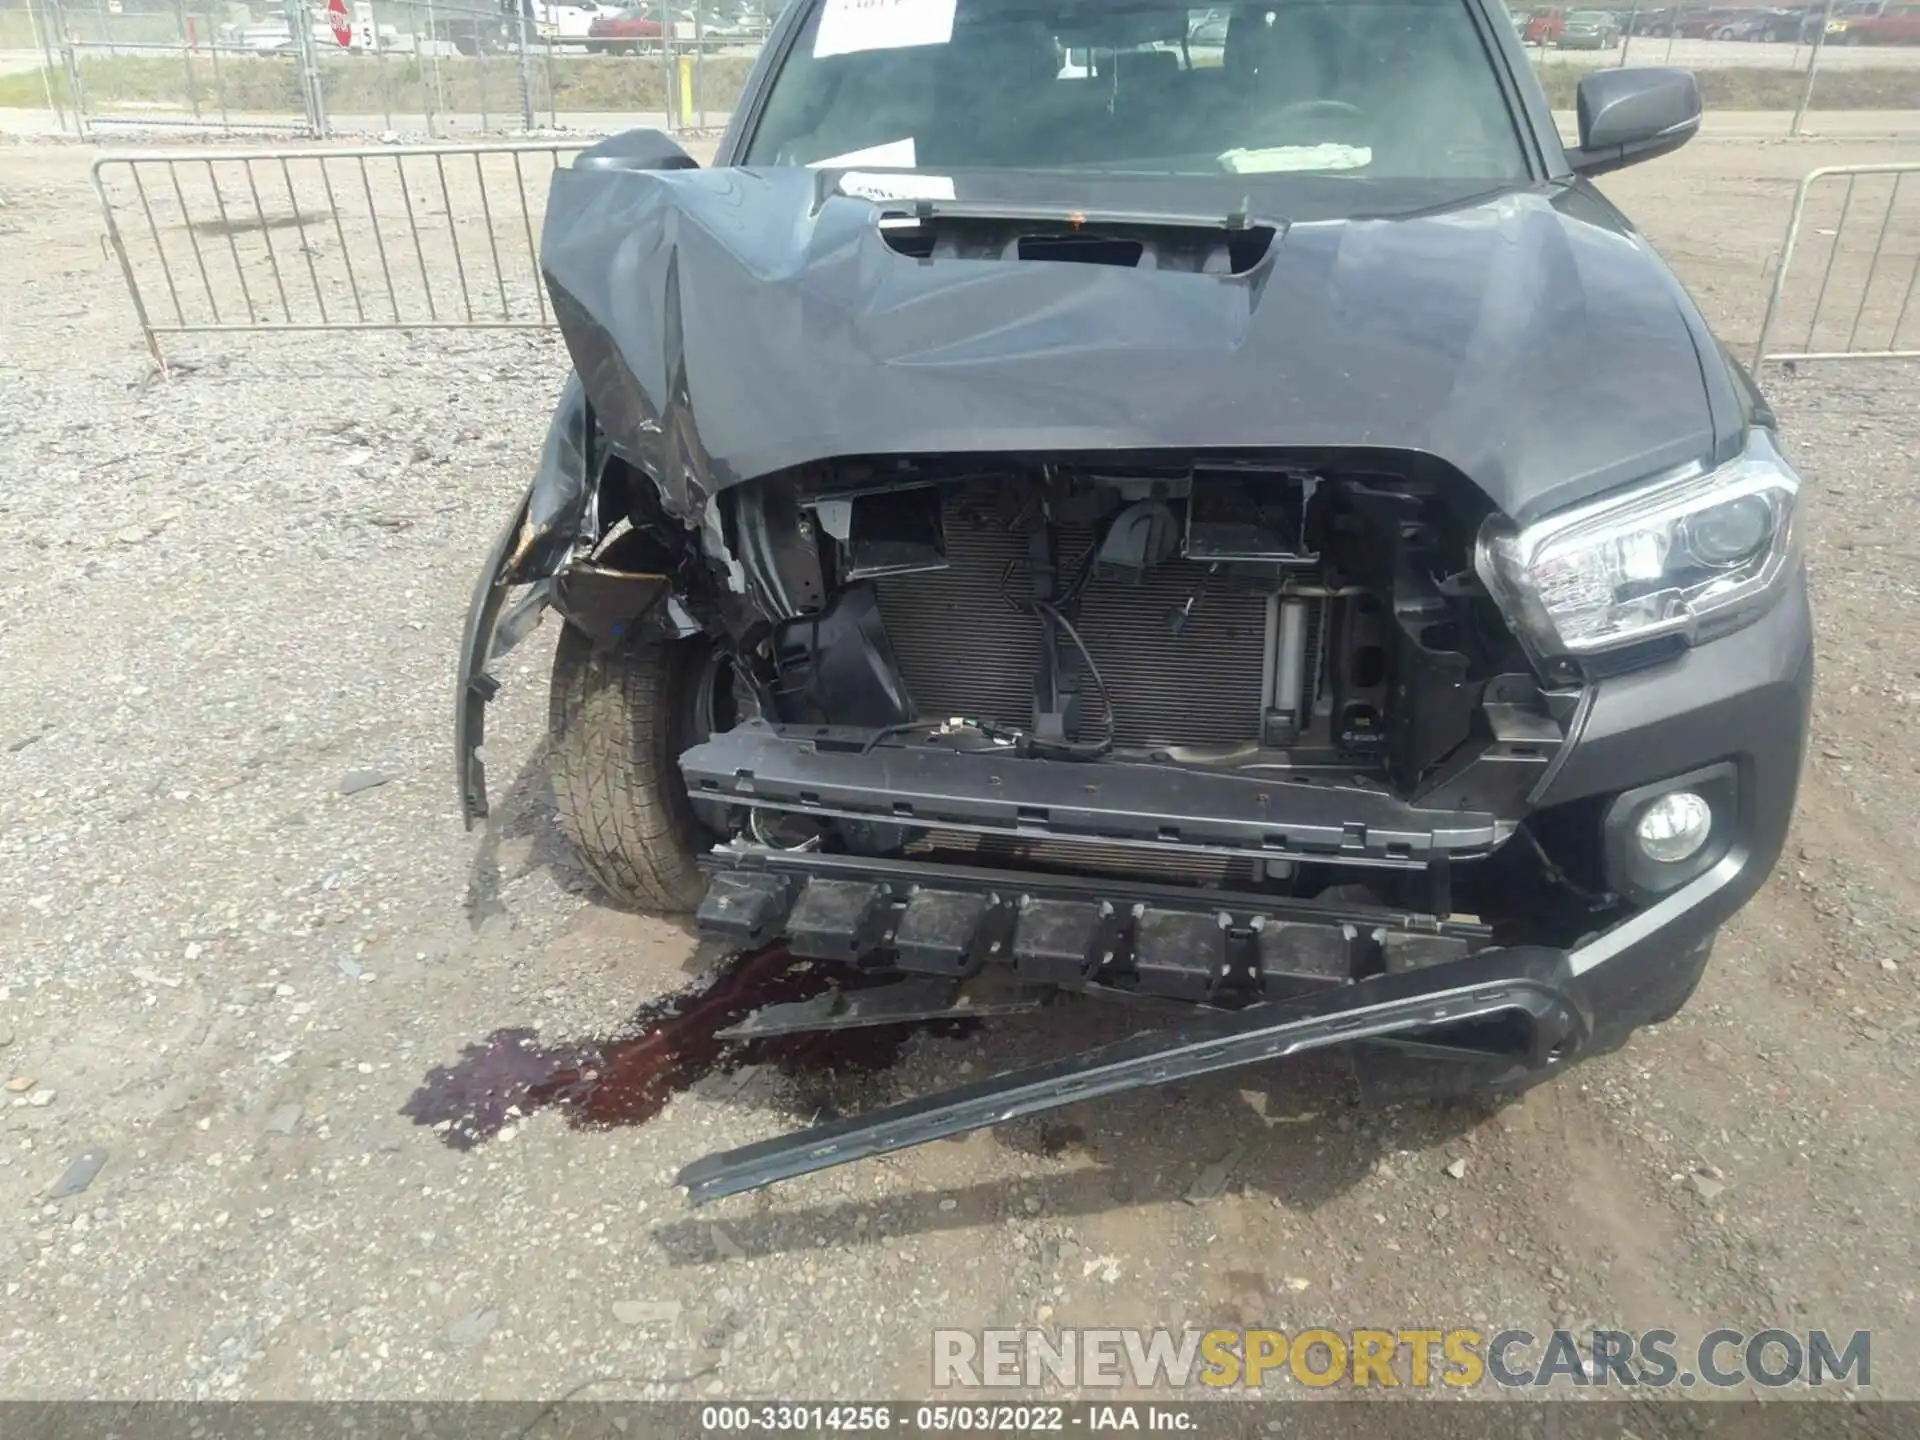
column 241, row 926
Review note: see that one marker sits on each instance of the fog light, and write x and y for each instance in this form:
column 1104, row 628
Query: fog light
column 1674, row 827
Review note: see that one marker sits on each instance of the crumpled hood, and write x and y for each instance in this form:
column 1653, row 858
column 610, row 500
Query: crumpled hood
column 729, row 323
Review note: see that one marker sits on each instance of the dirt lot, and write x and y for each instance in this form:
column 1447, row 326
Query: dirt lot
column 229, row 600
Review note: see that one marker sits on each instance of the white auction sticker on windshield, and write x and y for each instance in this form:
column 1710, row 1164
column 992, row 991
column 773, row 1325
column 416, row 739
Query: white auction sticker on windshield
column 849, row 26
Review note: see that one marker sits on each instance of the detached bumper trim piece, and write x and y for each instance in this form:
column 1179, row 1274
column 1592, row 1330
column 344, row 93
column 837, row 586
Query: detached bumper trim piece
column 1531, row 981
column 1160, row 807
column 473, row 687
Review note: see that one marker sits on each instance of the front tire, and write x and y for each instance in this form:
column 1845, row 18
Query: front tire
column 618, row 718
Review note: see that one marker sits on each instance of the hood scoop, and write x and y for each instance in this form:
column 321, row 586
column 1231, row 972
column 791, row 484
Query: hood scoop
column 931, row 232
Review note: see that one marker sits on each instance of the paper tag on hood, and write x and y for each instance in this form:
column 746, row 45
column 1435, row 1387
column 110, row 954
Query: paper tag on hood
column 849, row 26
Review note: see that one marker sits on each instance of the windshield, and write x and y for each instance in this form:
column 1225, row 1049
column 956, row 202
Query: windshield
column 1397, row 89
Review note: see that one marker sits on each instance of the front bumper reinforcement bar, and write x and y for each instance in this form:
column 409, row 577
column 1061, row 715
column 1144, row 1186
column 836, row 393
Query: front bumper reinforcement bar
column 1532, row 981
column 829, row 773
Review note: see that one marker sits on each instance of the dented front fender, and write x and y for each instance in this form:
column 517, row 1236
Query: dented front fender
column 474, row 687
column 547, row 552
column 557, row 514
column 559, row 509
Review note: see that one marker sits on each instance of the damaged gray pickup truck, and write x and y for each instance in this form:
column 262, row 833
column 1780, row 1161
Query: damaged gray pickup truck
column 1246, row 529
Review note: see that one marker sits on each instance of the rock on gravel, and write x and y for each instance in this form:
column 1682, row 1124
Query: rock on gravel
column 647, row 1312
column 79, row 1175
column 1211, row 1182
column 354, row 781
column 470, row 1330
column 1706, row 1187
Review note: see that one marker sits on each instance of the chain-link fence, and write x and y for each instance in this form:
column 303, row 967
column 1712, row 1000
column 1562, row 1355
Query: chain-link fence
column 445, row 69
column 438, row 68
column 404, row 68
column 181, row 69
column 429, row 68
column 433, row 68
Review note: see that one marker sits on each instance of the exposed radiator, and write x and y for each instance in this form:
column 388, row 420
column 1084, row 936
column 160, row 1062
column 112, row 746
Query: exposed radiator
column 965, row 650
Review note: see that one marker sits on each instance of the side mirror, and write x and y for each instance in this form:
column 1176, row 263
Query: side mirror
column 1627, row 116
column 635, row 150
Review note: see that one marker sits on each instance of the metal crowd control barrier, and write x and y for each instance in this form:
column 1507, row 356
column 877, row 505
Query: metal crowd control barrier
column 382, row 238
column 1881, row 293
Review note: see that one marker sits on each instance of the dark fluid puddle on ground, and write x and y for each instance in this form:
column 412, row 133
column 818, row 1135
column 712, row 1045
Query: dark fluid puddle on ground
column 669, row 1045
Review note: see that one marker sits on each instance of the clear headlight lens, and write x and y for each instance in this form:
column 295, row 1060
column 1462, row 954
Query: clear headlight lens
column 1693, row 554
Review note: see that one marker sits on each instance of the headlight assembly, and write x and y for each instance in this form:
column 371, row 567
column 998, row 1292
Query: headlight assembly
column 1693, row 554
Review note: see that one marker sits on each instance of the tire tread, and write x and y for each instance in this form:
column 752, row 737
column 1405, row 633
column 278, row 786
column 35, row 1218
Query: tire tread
column 616, row 777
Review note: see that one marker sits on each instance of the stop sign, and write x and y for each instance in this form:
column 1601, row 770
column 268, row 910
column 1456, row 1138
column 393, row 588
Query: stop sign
column 342, row 25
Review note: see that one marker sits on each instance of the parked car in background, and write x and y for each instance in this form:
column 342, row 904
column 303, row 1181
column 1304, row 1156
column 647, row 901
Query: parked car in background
column 1545, row 27
column 1589, row 30
column 1701, row 24
column 1872, row 22
column 565, row 24
column 1763, row 26
column 625, row 32
column 471, row 32
column 1686, row 22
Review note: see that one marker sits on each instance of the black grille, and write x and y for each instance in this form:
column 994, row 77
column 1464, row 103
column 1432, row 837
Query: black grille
column 1182, row 652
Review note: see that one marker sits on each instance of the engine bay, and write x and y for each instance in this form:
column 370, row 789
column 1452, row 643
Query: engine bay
column 1301, row 621
column 1275, row 675
column 1273, row 683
